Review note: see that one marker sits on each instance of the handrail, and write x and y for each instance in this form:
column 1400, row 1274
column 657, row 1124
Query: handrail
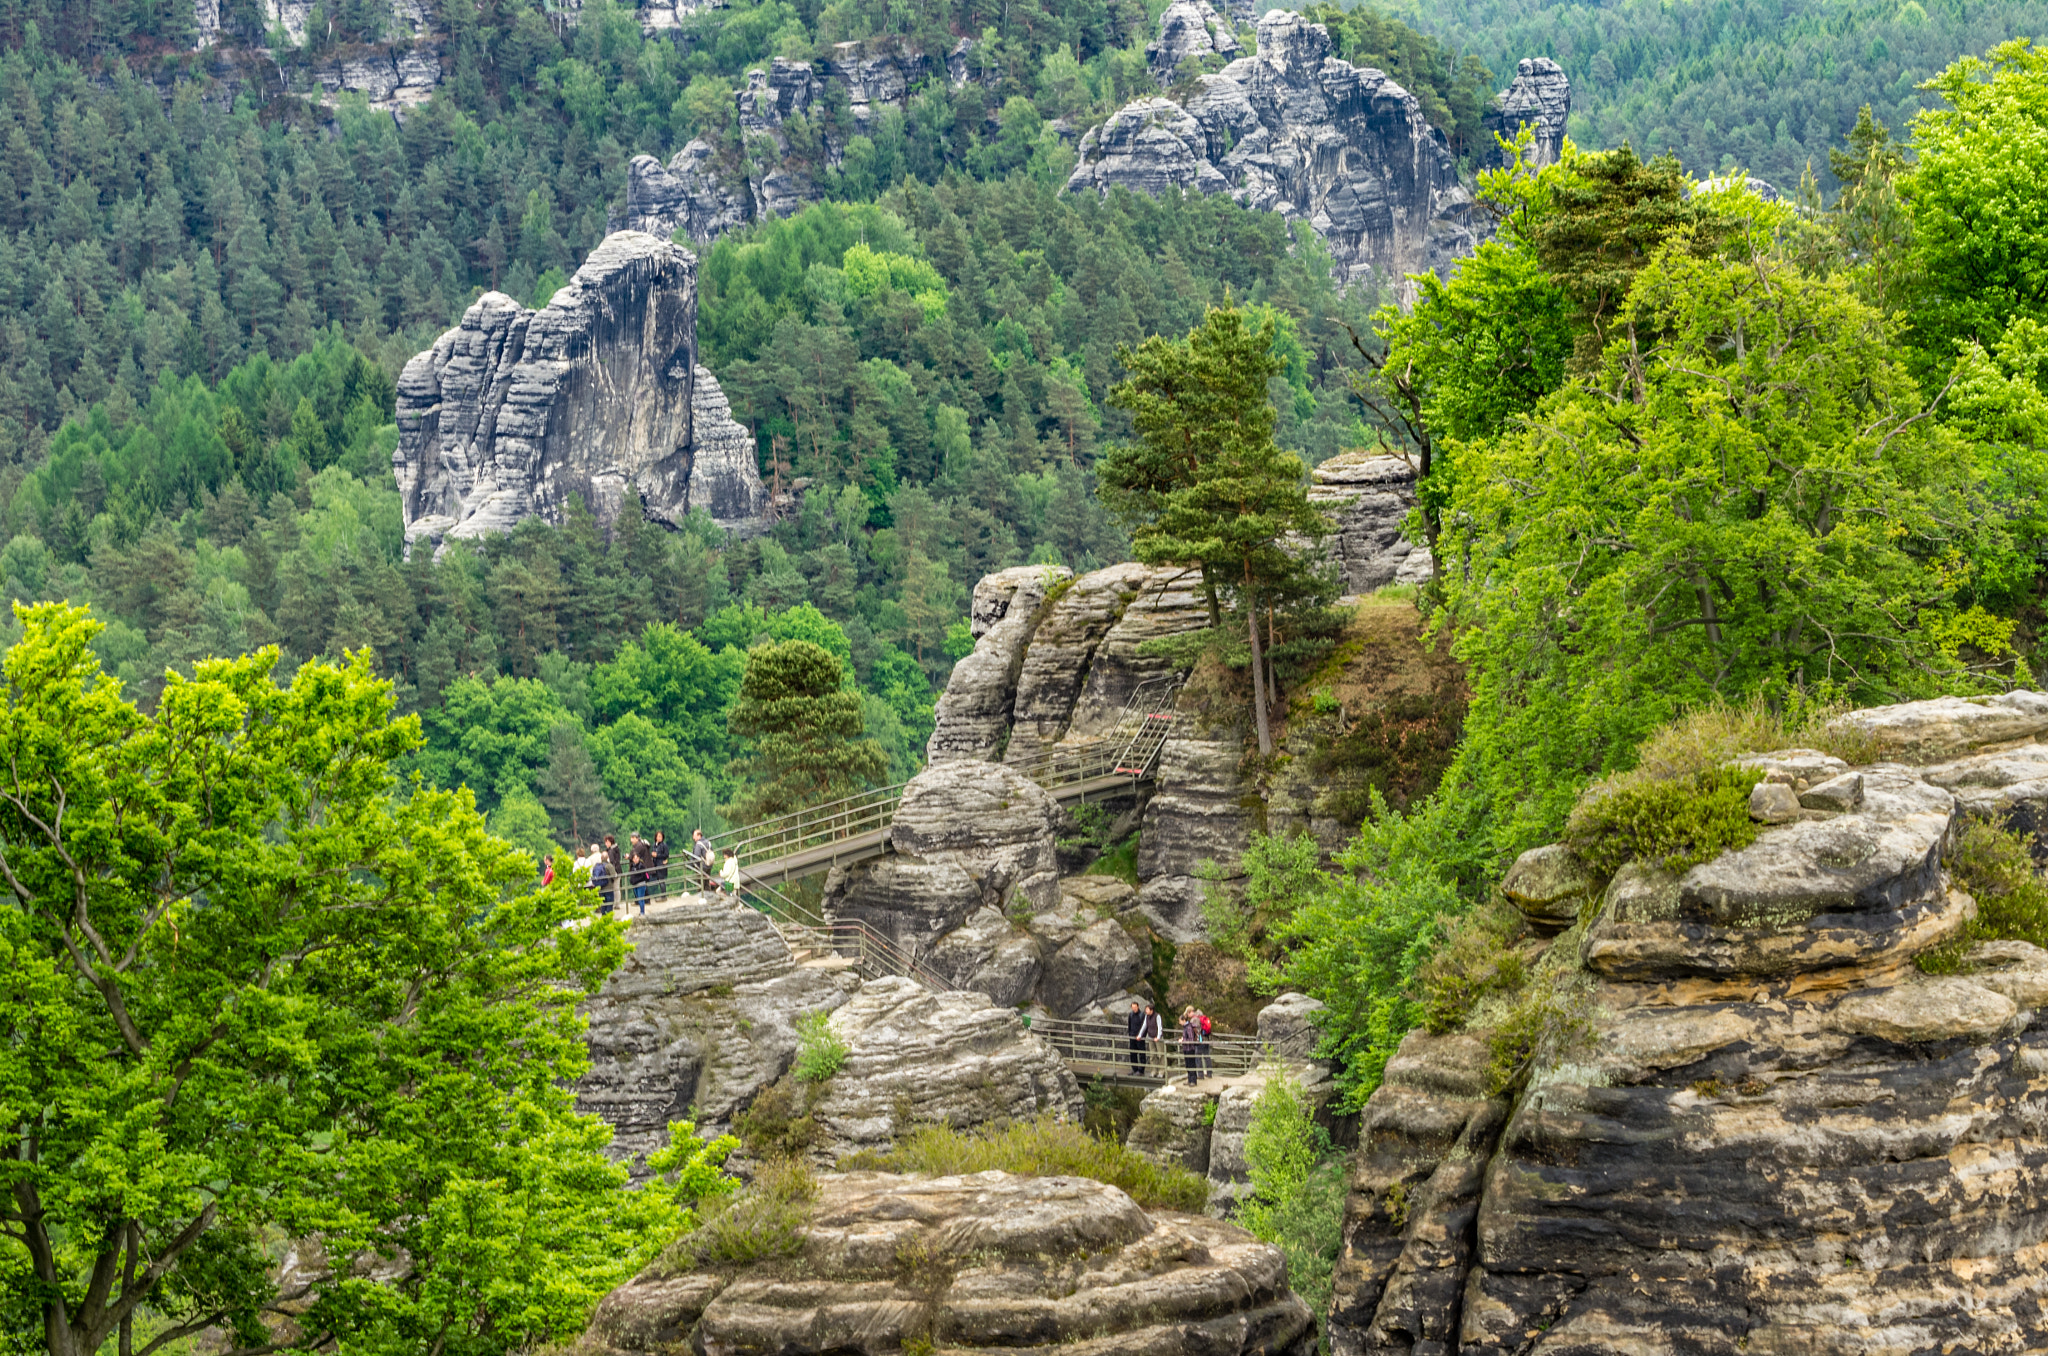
column 1129, row 749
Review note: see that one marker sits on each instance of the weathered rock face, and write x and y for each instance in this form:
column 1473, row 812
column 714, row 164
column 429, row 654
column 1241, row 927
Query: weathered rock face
column 699, row 1019
column 1539, row 96
column 1188, row 28
column 1196, row 814
column 920, row 1058
column 967, row 836
column 1294, row 130
column 1778, row 1133
column 515, row 410
column 686, row 195
column 989, row 1261
column 1367, row 499
column 973, row 715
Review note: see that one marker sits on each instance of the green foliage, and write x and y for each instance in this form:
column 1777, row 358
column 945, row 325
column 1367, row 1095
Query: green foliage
column 820, row 1051
column 804, row 731
column 1995, row 867
column 1981, row 251
column 1670, row 824
column 778, row 1123
column 1551, row 1019
column 1477, row 959
column 1109, row 1110
column 1298, row 1186
column 1765, row 88
column 378, row 1051
column 1047, row 1148
column 761, row 1222
column 1357, row 937
column 1655, row 537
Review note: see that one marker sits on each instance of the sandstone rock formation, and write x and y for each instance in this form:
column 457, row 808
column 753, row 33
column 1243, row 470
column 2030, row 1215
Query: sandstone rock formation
column 697, row 195
column 973, row 714
column 921, row 1058
column 1367, row 498
column 1188, row 28
column 966, row 836
column 1340, row 148
column 984, row 1262
column 596, row 395
column 1773, row 1132
column 699, row 1019
column 1539, row 96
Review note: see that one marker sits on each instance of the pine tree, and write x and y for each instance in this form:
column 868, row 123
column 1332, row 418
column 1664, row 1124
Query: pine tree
column 805, row 728
column 570, row 789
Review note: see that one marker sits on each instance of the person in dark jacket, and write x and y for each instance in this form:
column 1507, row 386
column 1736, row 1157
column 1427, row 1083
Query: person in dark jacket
column 602, row 881
column 1155, row 1037
column 661, row 863
column 1134, row 1028
column 640, row 861
column 611, row 857
column 1190, row 1044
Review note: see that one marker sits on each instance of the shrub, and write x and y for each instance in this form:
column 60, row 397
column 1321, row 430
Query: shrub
column 1673, row 823
column 779, row 1124
column 1477, row 959
column 1109, row 1110
column 763, row 1221
column 819, row 1051
column 1047, row 1148
column 1996, row 868
column 1551, row 1019
column 1298, row 1187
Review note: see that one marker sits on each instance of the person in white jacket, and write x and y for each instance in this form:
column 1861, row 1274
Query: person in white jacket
column 730, row 874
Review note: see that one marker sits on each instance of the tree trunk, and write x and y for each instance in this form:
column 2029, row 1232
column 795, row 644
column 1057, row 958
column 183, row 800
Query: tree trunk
column 1259, row 682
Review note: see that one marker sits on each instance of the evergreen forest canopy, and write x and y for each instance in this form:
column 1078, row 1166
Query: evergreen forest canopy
column 1765, row 86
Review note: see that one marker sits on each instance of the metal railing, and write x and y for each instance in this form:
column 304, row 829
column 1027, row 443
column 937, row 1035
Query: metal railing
column 1104, row 1049
column 1129, row 750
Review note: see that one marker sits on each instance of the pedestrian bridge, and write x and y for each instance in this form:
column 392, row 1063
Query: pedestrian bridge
column 805, row 842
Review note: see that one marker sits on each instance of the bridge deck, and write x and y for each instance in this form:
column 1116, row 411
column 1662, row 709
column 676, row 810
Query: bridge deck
column 861, row 846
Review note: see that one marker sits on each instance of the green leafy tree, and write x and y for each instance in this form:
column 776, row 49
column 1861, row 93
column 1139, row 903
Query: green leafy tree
column 571, row 789
column 1206, row 486
column 1748, row 497
column 250, row 992
column 1980, row 216
column 804, row 726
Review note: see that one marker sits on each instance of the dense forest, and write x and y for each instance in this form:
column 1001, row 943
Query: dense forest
column 1767, row 86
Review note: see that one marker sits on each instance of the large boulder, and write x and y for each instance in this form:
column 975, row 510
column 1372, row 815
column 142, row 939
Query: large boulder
column 515, row 411
column 973, row 714
column 983, row 1262
column 1188, row 28
column 698, row 1020
column 1540, row 97
column 1196, row 814
column 1368, row 498
column 1100, row 960
column 687, row 195
column 967, row 836
column 1753, row 1122
column 921, row 1058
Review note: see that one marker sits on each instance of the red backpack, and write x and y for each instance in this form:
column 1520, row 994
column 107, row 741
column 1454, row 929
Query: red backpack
column 1205, row 1023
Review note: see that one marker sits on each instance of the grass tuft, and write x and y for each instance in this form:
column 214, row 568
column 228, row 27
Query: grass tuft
column 1995, row 867
column 1045, row 1148
column 762, row 1221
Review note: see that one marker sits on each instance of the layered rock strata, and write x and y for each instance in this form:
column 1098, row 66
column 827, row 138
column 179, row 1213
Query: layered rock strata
column 702, row 1017
column 972, row 718
column 915, row 1057
column 983, row 1262
column 1342, row 149
column 700, row 196
column 597, row 395
column 1367, row 498
column 1759, row 1125
column 967, row 836
column 1188, row 28
column 1540, row 98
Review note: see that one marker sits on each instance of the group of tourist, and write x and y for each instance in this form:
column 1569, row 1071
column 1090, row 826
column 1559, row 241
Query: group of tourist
column 1146, row 1027
column 640, row 869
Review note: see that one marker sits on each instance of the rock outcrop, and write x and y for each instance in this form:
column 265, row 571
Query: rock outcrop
column 697, row 194
column 1367, row 498
column 699, row 1019
column 1188, row 28
column 915, row 1057
column 1341, row 149
column 984, row 1262
column 596, row 395
column 1539, row 97
column 967, row 836
column 973, row 715
column 1759, row 1125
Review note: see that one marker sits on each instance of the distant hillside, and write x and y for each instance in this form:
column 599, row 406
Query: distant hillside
column 1764, row 84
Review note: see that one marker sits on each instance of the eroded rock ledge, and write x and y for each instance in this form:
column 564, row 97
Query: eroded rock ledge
column 1780, row 1135
column 983, row 1262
